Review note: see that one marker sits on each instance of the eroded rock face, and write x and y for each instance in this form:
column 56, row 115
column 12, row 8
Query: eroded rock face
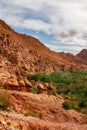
column 21, row 55
column 24, row 54
column 11, row 83
column 20, row 84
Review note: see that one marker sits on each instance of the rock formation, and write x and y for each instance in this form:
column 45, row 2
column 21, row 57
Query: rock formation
column 83, row 54
column 21, row 54
column 41, row 88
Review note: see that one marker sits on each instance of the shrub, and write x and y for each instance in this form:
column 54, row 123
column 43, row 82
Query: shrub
column 4, row 100
column 83, row 104
column 55, row 77
column 67, row 105
column 38, row 76
column 59, row 77
column 34, row 90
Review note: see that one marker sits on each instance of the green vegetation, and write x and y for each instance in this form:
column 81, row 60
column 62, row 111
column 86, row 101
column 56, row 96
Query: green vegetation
column 4, row 100
column 72, row 84
column 41, row 77
column 67, row 105
column 34, row 90
column 75, row 87
column 14, row 108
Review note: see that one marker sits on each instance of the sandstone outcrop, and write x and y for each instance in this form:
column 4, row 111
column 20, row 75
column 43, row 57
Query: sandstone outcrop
column 20, row 84
column 41, row 88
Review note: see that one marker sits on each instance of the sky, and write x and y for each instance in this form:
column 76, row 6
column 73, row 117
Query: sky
column 60, row 24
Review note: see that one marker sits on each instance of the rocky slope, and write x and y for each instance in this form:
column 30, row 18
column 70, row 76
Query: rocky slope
column 40, row 112
column 21, row 54
column 83, row 54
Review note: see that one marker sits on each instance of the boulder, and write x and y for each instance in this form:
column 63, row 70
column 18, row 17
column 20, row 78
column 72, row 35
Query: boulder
column 11, row 84
column 28, row 85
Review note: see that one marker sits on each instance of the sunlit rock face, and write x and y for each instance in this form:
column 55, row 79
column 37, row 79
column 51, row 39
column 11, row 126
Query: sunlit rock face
column 21, row 55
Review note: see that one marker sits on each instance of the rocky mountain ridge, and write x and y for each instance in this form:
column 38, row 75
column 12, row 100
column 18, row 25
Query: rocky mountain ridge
column 21, row 55
column 83, row 54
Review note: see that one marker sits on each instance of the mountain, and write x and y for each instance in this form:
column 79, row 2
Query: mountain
column 83, row 54
column 21, row 55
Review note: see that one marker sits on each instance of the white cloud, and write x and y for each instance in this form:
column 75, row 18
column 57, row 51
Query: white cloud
column 66, row 20
column 61, row 48
column 36, row 25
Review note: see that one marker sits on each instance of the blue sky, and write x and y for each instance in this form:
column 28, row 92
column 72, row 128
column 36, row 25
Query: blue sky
column 60, row 24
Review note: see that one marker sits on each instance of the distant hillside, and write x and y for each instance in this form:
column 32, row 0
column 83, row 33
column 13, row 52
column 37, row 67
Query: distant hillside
column 83, row 54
